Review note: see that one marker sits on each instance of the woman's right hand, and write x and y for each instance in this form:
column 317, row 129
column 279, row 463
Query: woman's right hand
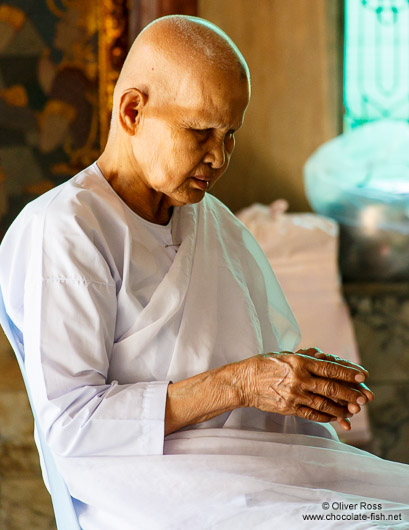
column 289, row 383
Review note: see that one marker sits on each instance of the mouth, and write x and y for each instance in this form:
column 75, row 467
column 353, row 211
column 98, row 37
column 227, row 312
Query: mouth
column 202, row 183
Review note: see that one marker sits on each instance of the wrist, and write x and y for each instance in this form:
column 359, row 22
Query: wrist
column 201, row 397
column 238, row 381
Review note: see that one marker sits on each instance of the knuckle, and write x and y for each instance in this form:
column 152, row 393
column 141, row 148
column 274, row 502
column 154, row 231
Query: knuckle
column 319, row 403
column 327, row 369
column 291, row 402
column 296, row 361
column 330, row 389
column 307, row 413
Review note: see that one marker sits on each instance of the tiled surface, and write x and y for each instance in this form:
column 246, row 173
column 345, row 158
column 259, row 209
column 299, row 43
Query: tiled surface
column 381, row 320
column 390, row 421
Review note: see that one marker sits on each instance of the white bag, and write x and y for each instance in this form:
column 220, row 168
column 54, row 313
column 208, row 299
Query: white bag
column 302, row 250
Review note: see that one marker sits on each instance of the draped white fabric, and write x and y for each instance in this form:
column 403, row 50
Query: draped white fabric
column 234, row 479
column 111, row 308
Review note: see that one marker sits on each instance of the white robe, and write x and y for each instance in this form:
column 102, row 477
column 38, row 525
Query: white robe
column 111, row 308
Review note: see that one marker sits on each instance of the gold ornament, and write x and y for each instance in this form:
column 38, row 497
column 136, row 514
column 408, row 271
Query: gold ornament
column 13, row 16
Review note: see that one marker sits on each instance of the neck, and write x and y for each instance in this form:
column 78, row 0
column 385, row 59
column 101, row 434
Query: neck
column 123, row 178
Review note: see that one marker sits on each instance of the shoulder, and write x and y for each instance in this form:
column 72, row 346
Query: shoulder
column 70, row 231
column 82, row 201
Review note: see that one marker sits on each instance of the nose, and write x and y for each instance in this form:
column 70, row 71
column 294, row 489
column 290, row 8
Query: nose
column 216, row 154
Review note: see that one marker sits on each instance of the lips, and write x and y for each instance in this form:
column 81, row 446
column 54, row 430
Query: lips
column 201, row 181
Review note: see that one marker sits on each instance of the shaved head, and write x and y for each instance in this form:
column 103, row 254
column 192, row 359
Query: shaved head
column 172, row 48
column 178, row 103
column 200, row 40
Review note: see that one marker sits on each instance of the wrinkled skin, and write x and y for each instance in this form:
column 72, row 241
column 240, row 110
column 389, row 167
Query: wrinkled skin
column 308, row 384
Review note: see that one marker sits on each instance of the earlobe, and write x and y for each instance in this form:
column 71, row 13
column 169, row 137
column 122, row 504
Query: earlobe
column 130, row 108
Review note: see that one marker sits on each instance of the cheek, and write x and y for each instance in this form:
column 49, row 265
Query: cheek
column 186, row 151
column 163, row 154
column 149, row 144
column 169, row 156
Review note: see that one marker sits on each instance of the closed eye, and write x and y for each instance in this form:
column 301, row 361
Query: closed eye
column 202, row 132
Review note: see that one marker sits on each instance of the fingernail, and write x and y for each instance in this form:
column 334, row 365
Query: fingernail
column 361, row 400
column 360, row 378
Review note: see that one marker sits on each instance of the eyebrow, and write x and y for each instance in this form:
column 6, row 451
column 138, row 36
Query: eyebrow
column 202, row 125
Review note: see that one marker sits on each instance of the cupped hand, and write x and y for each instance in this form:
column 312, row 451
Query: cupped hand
column 301, row 384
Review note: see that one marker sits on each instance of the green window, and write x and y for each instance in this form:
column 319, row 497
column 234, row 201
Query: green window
column 376, row 66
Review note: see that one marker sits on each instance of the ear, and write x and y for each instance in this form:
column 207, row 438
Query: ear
column 131, row 105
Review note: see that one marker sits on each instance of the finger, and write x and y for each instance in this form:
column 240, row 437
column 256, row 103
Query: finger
column 344, row 423
column 337, row 391
column 313, row 415
column 335, row 370
column 316, row 353
column 353, row 408
column 345, row 362
column 364, row 390
column 319, row 354
column 325, row 405
column 370, row 396
column 312, row 352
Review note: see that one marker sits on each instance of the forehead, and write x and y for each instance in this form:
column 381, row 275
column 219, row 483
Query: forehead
column 213, row 95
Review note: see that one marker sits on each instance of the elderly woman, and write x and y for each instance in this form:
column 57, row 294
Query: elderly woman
column 146, row 308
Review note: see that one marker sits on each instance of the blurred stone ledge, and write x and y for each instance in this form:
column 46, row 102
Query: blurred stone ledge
column 380, row 314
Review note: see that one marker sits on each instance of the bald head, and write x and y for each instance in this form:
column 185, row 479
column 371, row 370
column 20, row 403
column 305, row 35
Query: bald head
column 199, row 39
column 173, row 48
column 178, row 103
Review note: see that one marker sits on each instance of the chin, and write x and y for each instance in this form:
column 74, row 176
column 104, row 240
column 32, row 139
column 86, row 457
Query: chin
column 192, row 197
column 196, row 197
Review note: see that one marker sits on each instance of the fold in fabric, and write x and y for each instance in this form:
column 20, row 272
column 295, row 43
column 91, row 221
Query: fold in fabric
column 229, row 479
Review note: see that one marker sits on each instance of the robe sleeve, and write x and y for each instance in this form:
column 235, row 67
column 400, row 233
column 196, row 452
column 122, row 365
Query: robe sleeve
column 70, row 308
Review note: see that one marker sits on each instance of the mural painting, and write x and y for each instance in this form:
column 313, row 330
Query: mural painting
column 58, row 62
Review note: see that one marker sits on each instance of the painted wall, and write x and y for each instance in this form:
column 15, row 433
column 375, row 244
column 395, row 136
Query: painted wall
column 48, row 97
column 293, row 51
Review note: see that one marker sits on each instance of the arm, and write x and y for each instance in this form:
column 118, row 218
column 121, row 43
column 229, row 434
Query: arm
column 201, row 397
column 69, row 285
column 82, row 411
column 286, row 383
